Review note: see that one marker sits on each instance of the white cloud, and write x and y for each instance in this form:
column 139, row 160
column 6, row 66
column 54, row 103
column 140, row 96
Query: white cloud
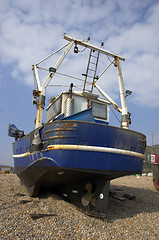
column 142, row 79
column 30, row 30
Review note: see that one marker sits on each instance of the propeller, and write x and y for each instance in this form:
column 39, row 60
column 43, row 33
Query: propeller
column 89, row 196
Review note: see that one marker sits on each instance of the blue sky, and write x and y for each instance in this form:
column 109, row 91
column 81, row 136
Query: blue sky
column 31, row 30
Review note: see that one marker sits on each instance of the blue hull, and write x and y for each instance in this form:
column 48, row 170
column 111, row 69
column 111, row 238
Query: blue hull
column 74, row 150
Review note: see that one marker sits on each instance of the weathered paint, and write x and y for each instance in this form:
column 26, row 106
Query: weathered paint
column 86, row 148
column 95, row 149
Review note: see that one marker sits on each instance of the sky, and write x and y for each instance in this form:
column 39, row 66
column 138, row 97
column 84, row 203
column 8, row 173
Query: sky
column 31, row 30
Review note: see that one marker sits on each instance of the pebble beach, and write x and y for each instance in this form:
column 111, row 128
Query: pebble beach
column 50, row 217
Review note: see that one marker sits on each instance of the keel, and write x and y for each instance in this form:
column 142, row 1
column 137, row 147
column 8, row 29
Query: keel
column 89, row 196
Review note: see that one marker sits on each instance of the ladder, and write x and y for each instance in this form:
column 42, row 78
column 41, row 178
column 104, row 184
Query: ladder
column 90, row 75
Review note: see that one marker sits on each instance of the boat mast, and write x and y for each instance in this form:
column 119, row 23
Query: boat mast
column 41, row 88
column 125, row 119
column 41, row 92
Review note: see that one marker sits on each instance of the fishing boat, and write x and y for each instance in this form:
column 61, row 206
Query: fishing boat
column 155, row 170
column 76, row 152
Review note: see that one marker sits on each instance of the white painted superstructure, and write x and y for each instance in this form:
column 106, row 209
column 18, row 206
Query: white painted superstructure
column 82, row 101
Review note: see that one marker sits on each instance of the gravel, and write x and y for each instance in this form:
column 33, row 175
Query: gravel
column 130, row 219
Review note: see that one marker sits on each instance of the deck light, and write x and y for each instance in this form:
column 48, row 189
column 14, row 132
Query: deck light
column 75, row 48
column 128, row 93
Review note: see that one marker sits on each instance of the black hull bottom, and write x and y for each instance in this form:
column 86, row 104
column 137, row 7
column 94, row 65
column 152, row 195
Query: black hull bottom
column 155, row 169
column 87, row 189
column 55, row 178
column 89, row 195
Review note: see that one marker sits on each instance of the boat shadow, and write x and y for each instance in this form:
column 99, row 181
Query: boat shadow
column 137, row 201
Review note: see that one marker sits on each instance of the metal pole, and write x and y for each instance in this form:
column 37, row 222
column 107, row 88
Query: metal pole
column 52, row 54
column 41, row 104
column 125, row 115
column 50, row 76
column 36, row 77
column 90, row 46
column 114, row 104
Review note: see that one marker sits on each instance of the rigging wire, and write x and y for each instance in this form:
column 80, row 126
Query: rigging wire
column 65, row 75
column 78, row 87
column 61, row 85
column 57, row 85
column 104, row 70
column 111, row 62
column 108, row 58
column 41, row 68
column 76, row 78
column 53, row 53
column 114, row 114
column 82, row 50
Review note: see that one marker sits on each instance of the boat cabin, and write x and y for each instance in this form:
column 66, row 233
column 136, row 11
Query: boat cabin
column 65, row 106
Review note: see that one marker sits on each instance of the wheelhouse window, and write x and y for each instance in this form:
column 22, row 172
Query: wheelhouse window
column 54, row 109
column 99, row 110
